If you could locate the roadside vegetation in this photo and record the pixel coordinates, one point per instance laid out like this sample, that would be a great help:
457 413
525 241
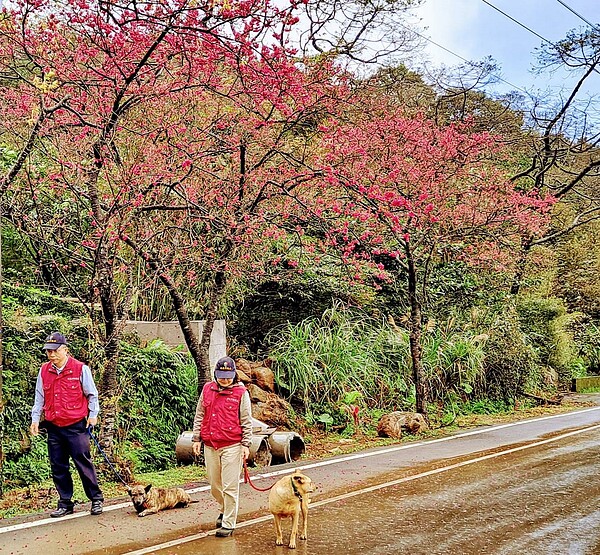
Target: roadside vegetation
389 238
323 366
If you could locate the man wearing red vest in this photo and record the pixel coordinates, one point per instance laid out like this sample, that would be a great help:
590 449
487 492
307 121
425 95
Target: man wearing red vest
66 394
223 422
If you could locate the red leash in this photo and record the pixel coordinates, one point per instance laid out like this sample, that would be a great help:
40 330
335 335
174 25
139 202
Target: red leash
248 481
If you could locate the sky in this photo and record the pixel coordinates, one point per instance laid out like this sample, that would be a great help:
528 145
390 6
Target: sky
474 30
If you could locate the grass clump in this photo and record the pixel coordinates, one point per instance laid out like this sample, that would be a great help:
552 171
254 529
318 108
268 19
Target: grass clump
320 360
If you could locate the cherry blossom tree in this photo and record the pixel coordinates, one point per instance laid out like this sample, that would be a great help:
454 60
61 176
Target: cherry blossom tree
106 88
408 192
173 133
244 155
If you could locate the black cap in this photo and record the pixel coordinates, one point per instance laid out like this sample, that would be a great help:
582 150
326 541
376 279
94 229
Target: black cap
225 368
54 341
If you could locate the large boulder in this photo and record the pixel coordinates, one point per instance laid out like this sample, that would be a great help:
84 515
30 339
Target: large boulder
274 411
264 378
243 365
257 395
243 377
394 423
258 373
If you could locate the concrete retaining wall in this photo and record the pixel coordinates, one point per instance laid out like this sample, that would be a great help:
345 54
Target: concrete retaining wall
589 382
170 332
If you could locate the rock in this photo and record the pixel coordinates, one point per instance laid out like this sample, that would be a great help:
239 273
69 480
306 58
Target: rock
394 423
257 395
243 365
256 372
274 411
264 378
243 377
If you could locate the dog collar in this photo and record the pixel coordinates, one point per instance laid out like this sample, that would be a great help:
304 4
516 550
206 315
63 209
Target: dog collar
296 492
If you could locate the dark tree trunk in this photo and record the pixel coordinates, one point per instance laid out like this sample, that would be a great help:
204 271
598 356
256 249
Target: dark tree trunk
199 349
416 327
114 321
109 401
199 357
520 267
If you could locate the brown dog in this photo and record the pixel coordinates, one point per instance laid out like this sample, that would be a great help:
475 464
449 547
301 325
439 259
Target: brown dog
148 500
289 497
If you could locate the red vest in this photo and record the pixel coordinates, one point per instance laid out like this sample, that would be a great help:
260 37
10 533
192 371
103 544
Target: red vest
221 425
64 401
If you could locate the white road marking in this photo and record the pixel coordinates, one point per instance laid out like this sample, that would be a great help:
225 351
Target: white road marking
180 541
337 460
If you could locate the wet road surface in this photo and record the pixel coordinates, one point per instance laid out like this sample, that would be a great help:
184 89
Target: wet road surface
544 500
528 487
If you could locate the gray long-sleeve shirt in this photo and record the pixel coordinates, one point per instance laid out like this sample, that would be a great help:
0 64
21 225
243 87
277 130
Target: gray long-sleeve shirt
87 384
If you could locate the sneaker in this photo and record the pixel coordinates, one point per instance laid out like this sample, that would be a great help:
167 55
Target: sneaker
61 511
96 508
219 522
224 532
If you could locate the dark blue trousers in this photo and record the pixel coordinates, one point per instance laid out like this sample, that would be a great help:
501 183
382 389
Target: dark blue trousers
72 442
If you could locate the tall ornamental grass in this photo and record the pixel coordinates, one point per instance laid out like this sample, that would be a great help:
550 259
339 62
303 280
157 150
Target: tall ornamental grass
453 362
320 360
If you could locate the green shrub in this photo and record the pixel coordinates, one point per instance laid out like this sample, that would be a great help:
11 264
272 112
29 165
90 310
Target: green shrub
32 466
38 301
548 328
588 341
511 363
157 402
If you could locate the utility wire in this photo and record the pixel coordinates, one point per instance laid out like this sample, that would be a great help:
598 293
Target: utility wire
592 25
529 29
461 57
513 20
517 22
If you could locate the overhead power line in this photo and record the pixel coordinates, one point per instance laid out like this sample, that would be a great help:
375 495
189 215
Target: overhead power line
592 25
517 22
529 29
514 20
461 57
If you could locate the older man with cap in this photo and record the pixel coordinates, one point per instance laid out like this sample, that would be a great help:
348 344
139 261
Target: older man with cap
223 422
66 394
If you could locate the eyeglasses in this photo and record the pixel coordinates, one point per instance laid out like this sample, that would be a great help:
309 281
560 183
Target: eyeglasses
49 351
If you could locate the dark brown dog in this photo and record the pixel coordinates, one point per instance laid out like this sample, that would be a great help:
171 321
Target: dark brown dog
290 497
149 500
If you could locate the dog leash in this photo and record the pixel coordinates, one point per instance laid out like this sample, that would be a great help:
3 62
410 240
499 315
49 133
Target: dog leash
89 430
248 481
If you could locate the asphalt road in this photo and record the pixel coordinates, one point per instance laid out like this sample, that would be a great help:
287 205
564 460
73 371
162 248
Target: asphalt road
524 487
